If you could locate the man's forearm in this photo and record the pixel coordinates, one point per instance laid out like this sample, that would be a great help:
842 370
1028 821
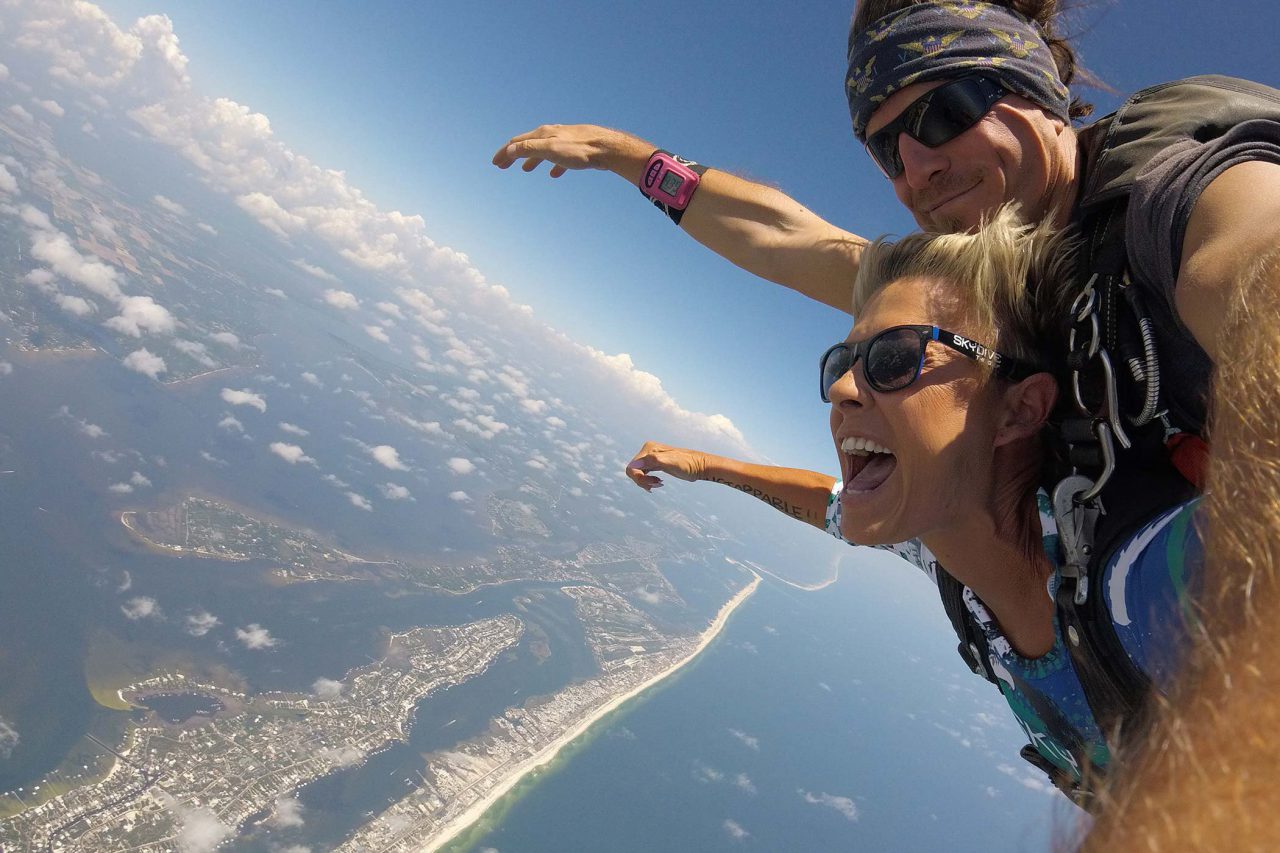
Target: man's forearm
797 493
1206 777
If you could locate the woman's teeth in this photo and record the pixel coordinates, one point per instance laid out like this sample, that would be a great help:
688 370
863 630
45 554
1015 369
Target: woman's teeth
862 447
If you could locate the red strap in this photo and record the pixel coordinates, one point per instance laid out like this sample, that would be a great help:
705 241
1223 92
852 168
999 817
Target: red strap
1190 456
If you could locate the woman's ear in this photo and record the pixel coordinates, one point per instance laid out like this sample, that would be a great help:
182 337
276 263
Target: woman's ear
1025 408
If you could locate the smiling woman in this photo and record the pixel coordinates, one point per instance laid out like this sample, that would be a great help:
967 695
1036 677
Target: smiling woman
938 412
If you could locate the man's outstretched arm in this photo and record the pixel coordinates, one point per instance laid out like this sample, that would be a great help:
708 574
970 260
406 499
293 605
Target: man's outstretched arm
763 231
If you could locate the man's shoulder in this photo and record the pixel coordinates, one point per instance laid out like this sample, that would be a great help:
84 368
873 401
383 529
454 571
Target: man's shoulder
1118 146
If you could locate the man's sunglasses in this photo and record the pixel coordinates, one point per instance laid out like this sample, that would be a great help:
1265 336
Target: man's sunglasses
892 359
937 116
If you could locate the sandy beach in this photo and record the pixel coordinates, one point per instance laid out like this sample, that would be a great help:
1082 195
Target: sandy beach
449 831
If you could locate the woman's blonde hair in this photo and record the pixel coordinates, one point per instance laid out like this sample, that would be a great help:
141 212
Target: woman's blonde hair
1011 280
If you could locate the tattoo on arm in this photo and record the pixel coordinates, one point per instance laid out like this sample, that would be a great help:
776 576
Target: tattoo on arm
774 501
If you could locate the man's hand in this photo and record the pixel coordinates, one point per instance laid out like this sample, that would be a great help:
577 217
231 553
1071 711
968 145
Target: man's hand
576 146
687 465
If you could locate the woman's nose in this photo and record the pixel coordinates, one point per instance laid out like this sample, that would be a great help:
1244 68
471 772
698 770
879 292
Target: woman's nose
848 390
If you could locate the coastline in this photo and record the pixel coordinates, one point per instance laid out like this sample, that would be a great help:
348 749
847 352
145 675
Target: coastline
447 833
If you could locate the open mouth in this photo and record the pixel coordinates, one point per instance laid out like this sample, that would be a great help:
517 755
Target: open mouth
867 465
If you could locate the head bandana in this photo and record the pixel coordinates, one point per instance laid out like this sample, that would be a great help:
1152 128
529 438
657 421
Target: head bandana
950 39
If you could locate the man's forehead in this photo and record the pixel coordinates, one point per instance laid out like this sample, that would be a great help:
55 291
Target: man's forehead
898 101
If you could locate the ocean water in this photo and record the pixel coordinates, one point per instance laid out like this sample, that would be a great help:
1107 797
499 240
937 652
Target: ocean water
840 719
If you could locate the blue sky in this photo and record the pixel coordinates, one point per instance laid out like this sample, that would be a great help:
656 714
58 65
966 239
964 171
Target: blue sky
411 100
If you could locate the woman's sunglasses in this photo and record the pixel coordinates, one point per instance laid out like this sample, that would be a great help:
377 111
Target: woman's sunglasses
892 359
937 116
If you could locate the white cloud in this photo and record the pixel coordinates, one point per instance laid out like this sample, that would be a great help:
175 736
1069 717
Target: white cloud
743 782
8 183
459 496
77 306
734 830
293 429
207 228
200 830
270 214
244 397
311 379
140 314
51 106
388 457
378 334
20 112
126 581
312 269
291 453
254 636
288 812
92 430
169 204
327 688
390 308
5 368
145 362
141 607
843 805
199 624
748 741
227 339
533 407
458 465
360 501
342 299
140 480
9 738
120 488
558 423
231 424
54 249
392 492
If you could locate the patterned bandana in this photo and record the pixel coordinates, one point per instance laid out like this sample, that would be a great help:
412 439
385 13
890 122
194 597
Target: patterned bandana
950 39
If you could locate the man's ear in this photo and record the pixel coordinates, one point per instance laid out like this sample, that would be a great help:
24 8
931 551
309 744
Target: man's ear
1025 408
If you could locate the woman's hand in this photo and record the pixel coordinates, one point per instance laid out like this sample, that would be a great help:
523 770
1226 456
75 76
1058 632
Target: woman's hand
688 465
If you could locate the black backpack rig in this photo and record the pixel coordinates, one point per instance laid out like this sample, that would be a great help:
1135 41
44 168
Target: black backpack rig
1121 460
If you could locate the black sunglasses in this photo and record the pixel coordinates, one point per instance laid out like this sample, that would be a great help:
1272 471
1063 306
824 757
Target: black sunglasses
892 359
937 116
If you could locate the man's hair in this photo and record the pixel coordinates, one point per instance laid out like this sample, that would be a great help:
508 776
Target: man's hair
1044 13
1013 277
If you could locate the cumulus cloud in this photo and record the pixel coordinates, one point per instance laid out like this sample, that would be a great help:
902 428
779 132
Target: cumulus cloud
291 453
458 465
141 607
734 830
140 480
360 501
51 106
293 429
749 741
145 362
9 738
254 636
231 424
120 488
201 623
91 430
311 379
22 113
200 830
312 269
270 214
288 812
327 688
139 315
342 299
76 306
460 496
743 782
390 308
388 457
169 204
54 249
843 805
244 397
227 339
8 183
392 492
378 334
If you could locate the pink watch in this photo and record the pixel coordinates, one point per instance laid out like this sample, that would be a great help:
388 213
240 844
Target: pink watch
670 181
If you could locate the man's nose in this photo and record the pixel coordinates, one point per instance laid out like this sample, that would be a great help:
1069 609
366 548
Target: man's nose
920 163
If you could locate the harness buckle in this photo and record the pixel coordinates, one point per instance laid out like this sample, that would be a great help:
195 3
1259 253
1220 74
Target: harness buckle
1077 518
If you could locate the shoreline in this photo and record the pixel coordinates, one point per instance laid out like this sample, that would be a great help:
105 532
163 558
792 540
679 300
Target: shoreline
803 587
447 833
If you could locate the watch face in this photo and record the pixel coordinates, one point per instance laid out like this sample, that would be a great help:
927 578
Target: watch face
671 183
